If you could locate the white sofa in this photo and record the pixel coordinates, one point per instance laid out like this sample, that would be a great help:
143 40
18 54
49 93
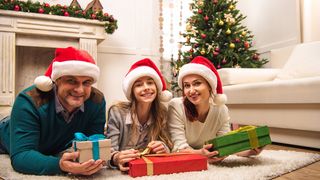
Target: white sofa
286 98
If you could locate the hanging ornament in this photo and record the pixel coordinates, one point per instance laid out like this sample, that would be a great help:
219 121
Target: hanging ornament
215 1
200 3
221 23
255 57
188 39
191 50
203 51
206 18
231 45
199 11
237 40
215 53
47 5
224 61
246 44
219 66
66 13
228 31
217 49
188 27
243 33
203 36
231 7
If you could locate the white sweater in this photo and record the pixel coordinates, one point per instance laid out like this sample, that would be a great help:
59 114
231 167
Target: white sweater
187 134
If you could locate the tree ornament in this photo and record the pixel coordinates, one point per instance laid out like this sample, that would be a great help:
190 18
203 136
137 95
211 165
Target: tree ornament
203 36
215 53
237 40
219 66
200 3
66 13
237 66
217 49
228 31
255 57
246 44
224 61
203 51
188 39
215 2
206 18
199 11
47 5
221 23
243 33
93 16
231 45
231 7
191 50
188 27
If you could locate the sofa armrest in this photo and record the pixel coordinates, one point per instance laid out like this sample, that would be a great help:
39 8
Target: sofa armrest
232 76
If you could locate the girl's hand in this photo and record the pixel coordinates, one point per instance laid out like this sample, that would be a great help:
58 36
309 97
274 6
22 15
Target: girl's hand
158 147
123 157
211 155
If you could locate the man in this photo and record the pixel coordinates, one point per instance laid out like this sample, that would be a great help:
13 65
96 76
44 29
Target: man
46 115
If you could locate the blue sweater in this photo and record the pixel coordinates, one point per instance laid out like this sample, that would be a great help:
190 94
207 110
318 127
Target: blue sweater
35 134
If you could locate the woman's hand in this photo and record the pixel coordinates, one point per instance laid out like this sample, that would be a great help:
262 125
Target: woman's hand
89 167
212 159
123 157
158 147
250 152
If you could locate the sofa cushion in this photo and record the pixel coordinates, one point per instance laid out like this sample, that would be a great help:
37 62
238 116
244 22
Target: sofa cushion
304 61
231 76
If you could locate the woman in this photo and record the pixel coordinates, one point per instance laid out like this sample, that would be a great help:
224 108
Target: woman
141 122
200 114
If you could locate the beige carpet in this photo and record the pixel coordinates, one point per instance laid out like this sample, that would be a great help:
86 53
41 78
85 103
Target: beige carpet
267 165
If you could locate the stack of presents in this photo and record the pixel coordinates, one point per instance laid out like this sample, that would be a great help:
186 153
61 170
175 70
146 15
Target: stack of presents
247 137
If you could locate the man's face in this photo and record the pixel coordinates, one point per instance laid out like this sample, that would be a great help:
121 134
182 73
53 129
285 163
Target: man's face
72 91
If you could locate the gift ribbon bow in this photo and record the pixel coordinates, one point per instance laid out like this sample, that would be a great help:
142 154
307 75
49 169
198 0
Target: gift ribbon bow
252 133
95 142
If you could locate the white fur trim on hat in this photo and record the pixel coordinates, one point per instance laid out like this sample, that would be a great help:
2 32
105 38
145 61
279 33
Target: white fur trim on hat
199 69
43 83
165 96
137 73
220 99
75 68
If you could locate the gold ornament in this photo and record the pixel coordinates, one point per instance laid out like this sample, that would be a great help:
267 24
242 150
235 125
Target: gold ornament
200 3
188 39
188 27
243 33
231 7
228 31
232 45
221 23
237 66
202 52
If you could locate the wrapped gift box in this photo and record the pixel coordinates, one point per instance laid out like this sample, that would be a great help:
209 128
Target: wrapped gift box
247 137
167 164
97 149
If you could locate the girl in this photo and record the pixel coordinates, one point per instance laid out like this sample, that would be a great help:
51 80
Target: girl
200 114
141 122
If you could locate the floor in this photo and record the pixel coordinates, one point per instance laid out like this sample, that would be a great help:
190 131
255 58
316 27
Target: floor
307 173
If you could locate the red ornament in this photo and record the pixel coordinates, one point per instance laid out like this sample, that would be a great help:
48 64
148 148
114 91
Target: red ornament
46 5
215 1
93 16
106 14
217 49
206 18
84 13
255 57
59 5
203 36
65 7
199 11
237 40
40 10
16 8
246 44
66 13
215 53
196 45
191 50
224 61
218 66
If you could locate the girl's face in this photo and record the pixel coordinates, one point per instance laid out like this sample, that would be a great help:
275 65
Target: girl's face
145 89
196 89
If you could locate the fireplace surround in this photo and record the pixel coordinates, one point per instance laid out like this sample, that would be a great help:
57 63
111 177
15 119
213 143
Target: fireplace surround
27 35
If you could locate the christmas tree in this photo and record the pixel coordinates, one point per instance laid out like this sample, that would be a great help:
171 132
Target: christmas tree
215 32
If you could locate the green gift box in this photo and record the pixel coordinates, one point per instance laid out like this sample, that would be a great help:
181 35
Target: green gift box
244 138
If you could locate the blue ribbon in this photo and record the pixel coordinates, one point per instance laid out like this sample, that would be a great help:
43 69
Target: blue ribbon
95 142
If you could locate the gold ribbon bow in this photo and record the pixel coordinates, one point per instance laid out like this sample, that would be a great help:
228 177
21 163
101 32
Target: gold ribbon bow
252 133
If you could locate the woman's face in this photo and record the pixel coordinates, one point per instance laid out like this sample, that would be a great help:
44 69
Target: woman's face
145 90
196 89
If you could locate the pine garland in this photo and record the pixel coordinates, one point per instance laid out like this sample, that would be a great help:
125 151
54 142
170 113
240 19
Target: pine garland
59 10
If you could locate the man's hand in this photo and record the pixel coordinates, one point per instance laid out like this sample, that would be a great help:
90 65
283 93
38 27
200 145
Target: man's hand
123 157
158 147
89 167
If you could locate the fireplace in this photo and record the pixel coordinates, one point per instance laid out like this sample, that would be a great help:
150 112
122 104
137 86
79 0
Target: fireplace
27 43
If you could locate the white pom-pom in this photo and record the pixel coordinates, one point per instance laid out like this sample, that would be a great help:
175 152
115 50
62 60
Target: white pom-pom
43 83
165 96
220 99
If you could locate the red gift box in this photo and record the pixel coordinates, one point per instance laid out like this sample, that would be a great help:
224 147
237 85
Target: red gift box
167 164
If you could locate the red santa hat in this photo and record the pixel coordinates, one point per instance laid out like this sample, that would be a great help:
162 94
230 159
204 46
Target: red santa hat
145 67
68 61
203 67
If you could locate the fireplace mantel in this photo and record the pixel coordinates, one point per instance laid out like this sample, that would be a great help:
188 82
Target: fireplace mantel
40 30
